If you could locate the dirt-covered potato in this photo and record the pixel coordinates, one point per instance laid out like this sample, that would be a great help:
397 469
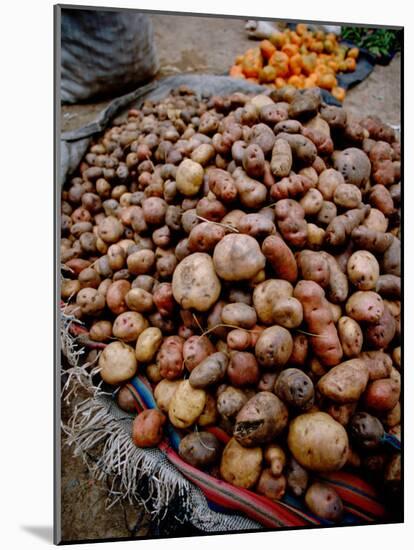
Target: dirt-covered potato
318 442
147 428
170 357
281 161
90 301
351 336
189 177
164 392
297 478
272 487
200 449
195 284
147 344
110 229
347 196
260 420
365 306
354 165
346 382
323 501
230 401
195 350
365 430
239 314
295 389
363 270
243 369
186 405
117 363
100 331
237 257
210 371
274 347
129 325
241 466
280 257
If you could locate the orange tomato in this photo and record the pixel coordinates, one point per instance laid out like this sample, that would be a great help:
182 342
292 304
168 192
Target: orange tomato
333 65
280 62
350 64
328 46
326 81
295 64
290 49
309 63
267 74
338 92
301 29
297 81
353 52
267 49
316 46
319 35
252 63
310 81
278 39
295 38
280 82
236 71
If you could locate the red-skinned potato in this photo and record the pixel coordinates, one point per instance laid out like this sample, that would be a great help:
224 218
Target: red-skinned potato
243 369
270 486
195 350
323 501
147 428
170 357
128 326
281 258
274 347
115 296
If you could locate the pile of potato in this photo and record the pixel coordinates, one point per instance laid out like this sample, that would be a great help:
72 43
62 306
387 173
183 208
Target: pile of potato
243 253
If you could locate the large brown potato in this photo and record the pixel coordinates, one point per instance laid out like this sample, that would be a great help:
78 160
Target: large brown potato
117 363
274 347
237 257
241 466
318 442
346 382
195 284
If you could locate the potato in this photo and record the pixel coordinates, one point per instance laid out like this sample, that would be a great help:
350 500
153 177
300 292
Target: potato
311 202
381 395
262 136
260 420
287 312
116 257
318 317
293 186
230 401
291 222
153 373
318 442
186 405
195 350
389 286
295 389
314 267
354 165
204 237
241 466
327 213
69 288
129 325
328 181
141 262
251 193
170 357
270 486
296 477
366 431
363 270
195 283
90 301
110 229
210 371
239 314
189 177
115 296
300 350
350 335
222 184
303 149
147 345
256 225
380 334
346 382
138 299
239 340
391 260
266 294
281 162
200 449
365 306
203 154
274 347
280 257
164 392
147 428
315 236
376 221
323 501
341 412
347 196
237 257
379 364
253 161
275 456
100 331
117 363
243 369
125 400
209 416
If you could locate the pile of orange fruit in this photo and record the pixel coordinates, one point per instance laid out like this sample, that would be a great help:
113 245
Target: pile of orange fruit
300 58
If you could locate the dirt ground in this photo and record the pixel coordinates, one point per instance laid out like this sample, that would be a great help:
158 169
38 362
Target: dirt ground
207 45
